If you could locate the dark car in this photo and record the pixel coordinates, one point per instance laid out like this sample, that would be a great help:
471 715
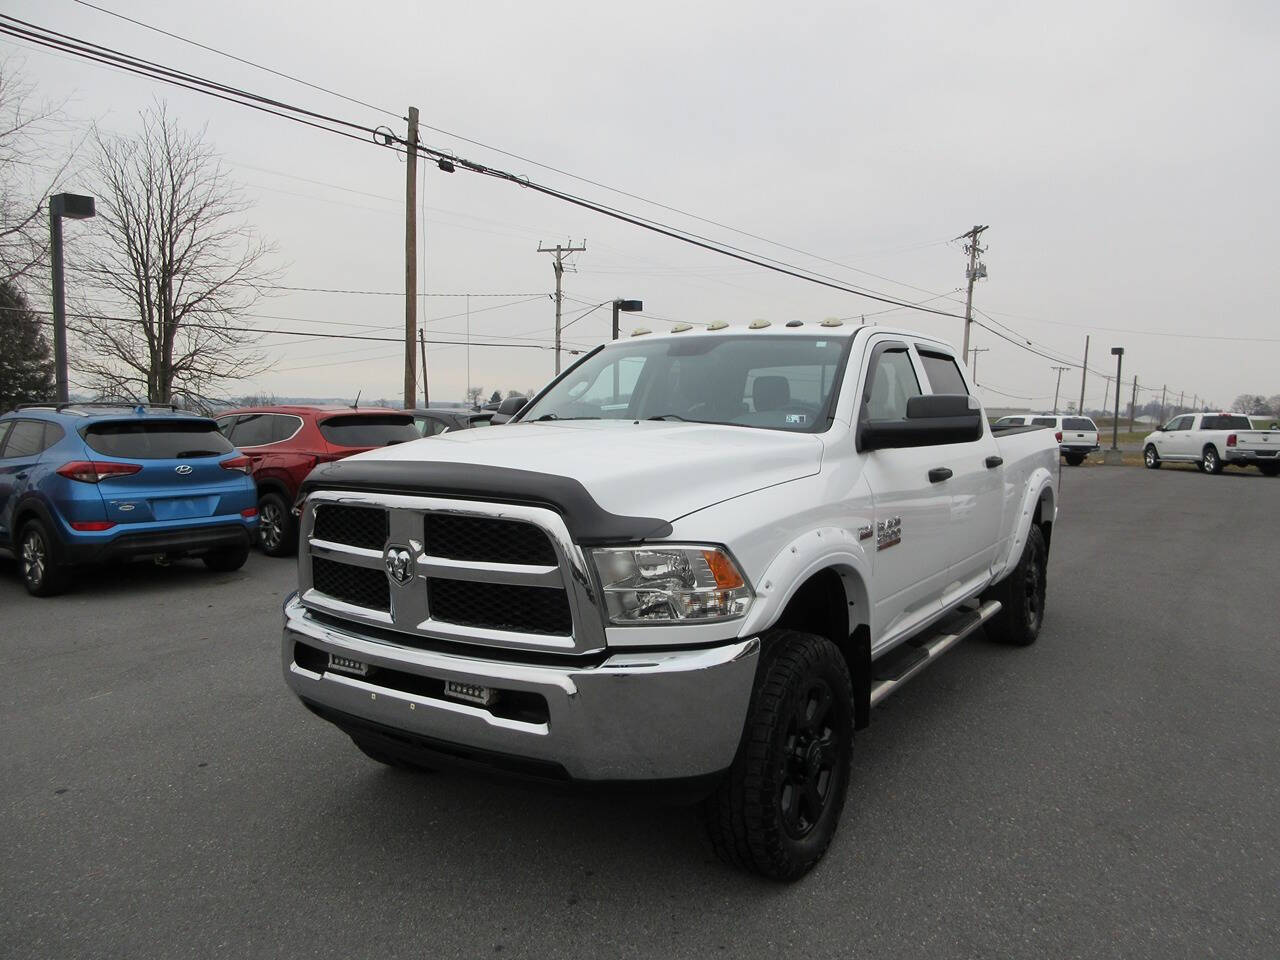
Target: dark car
100 483
433 420
284 443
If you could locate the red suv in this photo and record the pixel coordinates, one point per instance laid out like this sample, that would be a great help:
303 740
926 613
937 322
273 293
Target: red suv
284 443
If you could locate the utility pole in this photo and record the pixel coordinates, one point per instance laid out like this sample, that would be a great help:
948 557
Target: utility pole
1133 402
422 342
975 351
1195 402
1106 392
975 271
1056 386
558 266
1084 374
411 262
1181 395
1163 391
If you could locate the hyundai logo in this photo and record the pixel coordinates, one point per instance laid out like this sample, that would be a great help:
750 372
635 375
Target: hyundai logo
182 469
399 564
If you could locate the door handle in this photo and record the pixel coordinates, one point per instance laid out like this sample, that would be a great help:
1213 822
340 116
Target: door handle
993 462
938 474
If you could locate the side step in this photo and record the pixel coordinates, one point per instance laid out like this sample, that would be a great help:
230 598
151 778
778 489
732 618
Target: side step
921 651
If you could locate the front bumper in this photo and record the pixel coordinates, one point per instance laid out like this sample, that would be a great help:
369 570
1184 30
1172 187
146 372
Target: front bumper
669 715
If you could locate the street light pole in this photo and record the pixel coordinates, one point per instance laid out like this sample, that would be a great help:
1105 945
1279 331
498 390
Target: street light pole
74 207
1113 455
622 306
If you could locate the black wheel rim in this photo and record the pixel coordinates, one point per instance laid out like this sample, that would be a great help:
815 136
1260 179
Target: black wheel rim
35 558
1033 583
810 754
270 525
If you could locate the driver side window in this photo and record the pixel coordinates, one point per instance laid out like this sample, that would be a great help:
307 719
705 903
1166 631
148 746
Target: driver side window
892 382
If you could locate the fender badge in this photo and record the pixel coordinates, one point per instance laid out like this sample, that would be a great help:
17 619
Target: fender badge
864 532
888 533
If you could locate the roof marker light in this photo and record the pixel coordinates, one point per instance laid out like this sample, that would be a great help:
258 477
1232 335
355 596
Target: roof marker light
795 323
758 324
640 331
681 327
832 322
717 325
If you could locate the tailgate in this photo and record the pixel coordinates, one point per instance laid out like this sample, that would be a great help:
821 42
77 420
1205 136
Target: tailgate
1262 442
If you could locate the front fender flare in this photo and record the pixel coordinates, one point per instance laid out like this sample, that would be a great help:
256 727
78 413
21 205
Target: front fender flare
1040 486
797 561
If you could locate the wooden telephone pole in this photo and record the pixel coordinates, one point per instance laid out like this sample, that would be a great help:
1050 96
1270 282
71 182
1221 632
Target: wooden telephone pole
975 270
1057 387
1084 375
411 265
560 253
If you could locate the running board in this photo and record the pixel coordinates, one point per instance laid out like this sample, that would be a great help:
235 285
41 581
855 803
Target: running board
950 632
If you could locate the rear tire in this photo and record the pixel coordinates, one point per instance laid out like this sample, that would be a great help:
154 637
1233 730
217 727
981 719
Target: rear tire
42 575
1021 596
1075 459
1150 457
777 808
1210 462
1269 469
226 560
277 528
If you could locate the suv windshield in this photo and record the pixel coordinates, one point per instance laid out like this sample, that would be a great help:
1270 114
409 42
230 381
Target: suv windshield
779 383
157 439
369 430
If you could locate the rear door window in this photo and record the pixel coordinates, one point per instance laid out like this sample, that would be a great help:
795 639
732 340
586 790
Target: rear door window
369 430
254 430
26 439
5 425
944 376
157 439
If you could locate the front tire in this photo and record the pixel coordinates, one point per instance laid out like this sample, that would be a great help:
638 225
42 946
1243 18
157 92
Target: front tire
1150 457
1210 462
1021 596
277 529
41 573
777 808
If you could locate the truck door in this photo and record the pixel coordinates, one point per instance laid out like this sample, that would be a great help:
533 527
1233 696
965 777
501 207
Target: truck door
975 485
1176 440
908 541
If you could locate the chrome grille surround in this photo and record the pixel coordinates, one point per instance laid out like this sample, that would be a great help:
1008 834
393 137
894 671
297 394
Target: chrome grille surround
410 602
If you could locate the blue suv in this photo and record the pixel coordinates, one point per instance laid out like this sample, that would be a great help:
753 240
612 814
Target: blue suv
93 483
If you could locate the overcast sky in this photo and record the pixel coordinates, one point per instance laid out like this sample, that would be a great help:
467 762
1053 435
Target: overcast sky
1124 156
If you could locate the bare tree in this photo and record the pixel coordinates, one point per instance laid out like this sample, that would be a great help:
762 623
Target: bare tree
30 170
169 240
474 394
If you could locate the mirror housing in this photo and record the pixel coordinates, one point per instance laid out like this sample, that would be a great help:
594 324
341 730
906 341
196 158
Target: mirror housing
508 408
930 420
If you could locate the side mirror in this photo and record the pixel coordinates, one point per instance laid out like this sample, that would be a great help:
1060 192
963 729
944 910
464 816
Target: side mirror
508 408
930 420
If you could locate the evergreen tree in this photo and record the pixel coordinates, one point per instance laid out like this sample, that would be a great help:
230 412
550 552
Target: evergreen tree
26 361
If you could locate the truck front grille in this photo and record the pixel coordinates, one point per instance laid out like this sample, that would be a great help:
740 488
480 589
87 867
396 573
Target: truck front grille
487 539
503 575
358 586
500 606
356 526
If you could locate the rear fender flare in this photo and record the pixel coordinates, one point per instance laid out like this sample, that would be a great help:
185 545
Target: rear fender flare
1039 487
818 549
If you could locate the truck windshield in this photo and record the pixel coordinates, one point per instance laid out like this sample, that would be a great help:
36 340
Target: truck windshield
751 380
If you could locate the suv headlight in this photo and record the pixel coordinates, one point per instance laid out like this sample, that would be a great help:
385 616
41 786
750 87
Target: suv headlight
660 583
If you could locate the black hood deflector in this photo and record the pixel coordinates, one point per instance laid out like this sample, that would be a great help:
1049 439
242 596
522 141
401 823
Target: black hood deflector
588 522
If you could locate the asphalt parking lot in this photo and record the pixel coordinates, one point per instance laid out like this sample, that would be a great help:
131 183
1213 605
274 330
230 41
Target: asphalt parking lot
1112 791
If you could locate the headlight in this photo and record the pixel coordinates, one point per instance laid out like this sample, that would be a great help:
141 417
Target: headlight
659 583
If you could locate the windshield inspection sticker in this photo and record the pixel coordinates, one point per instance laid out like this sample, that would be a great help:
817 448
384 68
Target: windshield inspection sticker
796 418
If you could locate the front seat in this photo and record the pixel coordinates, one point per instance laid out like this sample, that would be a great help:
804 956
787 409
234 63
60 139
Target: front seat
770 393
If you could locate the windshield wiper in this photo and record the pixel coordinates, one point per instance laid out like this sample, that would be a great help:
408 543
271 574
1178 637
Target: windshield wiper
197 453
668 416
556 416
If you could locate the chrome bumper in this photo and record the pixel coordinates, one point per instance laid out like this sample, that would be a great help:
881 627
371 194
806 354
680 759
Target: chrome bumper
636 716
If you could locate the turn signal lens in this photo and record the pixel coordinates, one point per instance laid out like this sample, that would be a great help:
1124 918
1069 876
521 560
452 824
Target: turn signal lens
94 471
1058 436
722 568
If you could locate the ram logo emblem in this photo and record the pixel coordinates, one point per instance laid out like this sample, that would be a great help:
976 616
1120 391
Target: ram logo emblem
399 564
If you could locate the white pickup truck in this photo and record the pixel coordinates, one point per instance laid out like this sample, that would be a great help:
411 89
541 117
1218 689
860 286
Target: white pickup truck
1213 441
695 560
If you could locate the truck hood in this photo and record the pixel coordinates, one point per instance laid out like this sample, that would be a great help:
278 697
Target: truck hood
657 469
